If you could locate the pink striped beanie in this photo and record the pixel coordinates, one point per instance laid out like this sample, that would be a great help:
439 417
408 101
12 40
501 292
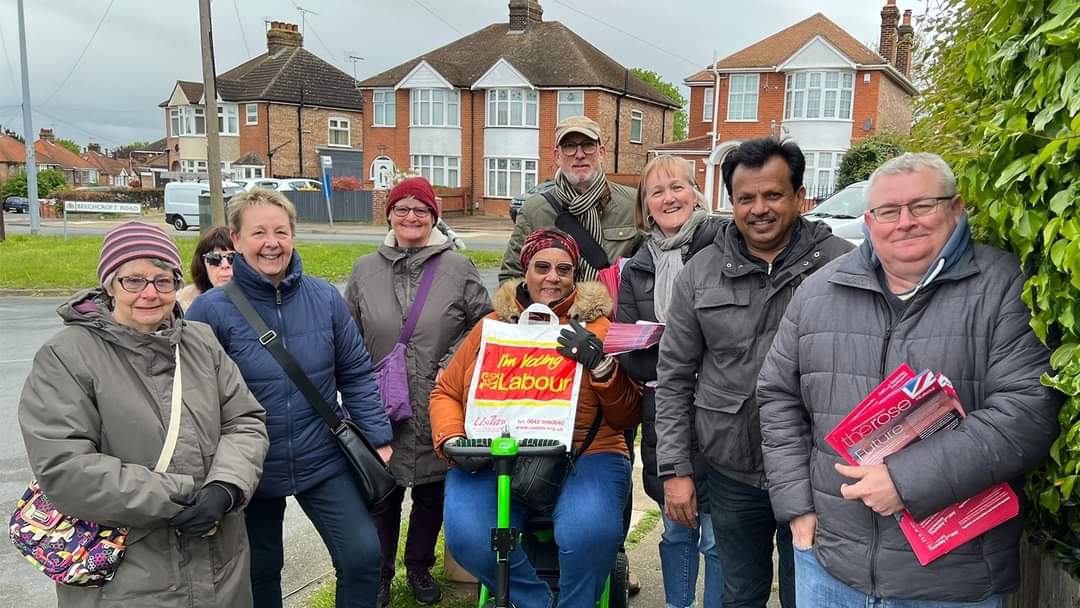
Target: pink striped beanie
135 240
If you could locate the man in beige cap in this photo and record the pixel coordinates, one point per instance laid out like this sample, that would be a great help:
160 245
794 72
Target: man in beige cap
599 214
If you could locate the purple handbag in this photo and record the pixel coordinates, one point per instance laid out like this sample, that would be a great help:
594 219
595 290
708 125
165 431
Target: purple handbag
392 372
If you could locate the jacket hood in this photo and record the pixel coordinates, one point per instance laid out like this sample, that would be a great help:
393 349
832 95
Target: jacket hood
437 243
89 309
253 281
588 302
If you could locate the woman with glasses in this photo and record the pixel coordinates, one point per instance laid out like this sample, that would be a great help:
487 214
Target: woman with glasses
304 461
211 265
671 210
94 415
588 513
381 294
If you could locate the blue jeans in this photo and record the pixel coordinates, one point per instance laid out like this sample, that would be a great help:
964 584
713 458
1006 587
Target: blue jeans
337 509
588 530
816 588
679 562
745 527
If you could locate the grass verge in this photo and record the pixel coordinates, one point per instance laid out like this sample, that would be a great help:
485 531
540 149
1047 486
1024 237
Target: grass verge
50 262
643 527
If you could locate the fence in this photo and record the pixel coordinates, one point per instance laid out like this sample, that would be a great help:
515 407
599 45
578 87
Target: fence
348 206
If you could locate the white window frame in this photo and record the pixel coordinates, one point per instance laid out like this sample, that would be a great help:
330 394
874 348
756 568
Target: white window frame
249 171
189 118
193 166
501 104
384 108
747 89
336 125
691 166
424 102
707 105
814 172
568 108
637 119
437 169
815 95
251 114
228 119
174 122
496 167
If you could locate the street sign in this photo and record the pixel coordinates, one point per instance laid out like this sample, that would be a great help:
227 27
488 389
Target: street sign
99 207
327 185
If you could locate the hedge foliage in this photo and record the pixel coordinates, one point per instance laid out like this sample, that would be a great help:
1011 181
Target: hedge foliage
1002 104
154 199
866 155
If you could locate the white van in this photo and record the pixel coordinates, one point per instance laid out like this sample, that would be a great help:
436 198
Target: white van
182 202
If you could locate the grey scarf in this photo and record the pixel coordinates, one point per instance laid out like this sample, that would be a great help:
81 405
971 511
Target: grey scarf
586 208
667 253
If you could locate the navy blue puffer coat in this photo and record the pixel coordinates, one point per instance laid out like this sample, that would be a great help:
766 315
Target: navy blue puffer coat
318 331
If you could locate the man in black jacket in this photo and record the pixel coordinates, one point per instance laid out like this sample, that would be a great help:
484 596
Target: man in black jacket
725 307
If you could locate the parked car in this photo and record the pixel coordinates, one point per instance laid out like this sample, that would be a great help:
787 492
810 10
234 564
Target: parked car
18 204
281 185
182 201
843 212
519 200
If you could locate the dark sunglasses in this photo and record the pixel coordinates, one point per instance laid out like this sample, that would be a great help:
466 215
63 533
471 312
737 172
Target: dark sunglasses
214 258
563 269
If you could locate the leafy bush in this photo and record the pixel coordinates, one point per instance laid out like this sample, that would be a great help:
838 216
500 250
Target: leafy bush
866 155
1003 107
50 181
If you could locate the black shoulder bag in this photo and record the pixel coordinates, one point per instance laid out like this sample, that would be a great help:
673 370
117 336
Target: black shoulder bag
538 480
370 471
593 253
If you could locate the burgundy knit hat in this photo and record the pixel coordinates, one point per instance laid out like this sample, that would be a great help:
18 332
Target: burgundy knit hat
416 187
135 240
547 238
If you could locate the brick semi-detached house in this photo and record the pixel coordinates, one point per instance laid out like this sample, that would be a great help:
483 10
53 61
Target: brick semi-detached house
479 113
813 83
277 114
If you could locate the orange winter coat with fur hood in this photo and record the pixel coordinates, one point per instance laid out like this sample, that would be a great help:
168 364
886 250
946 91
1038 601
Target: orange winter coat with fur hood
619 398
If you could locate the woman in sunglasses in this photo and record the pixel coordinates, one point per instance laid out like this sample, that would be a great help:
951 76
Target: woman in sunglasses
211 265
588 512
95 414
382 290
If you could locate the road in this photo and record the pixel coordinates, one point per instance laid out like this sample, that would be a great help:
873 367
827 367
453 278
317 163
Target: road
25 324
475 235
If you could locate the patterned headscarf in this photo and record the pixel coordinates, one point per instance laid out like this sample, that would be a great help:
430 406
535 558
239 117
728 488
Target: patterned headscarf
547 238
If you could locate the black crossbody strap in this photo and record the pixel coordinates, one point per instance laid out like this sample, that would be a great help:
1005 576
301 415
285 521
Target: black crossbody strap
272 341
593 253
593 430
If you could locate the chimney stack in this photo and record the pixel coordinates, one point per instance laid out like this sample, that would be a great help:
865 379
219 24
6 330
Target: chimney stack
283 35
903 45
46 134
890 17
523 14
92 147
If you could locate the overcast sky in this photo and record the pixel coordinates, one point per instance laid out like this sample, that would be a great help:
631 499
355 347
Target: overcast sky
142 47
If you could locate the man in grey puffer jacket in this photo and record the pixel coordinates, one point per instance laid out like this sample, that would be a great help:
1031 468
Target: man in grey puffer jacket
916 292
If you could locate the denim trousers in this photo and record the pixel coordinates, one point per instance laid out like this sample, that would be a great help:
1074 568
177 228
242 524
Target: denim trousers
679 563
336 508
816 588
425 520
588 530
745 528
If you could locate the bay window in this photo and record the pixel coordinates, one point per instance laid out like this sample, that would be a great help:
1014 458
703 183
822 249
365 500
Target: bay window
512 107
435 108
819 95
507 177
439 170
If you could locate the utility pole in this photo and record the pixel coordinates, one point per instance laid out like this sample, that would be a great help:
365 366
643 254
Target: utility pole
213 150
28 129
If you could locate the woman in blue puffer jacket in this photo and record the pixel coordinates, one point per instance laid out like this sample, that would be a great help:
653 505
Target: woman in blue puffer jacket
304 460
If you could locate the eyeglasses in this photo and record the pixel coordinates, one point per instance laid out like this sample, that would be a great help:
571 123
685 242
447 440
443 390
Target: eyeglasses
570 149
138 284
401 211
890 214
563 270
214 258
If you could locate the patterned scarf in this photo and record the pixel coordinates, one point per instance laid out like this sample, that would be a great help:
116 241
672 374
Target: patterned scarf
586 207
667 253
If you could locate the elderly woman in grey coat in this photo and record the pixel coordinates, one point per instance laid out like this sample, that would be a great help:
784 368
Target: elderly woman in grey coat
380 294
95 413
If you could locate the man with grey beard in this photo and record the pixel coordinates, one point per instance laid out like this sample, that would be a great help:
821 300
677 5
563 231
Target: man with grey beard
583 203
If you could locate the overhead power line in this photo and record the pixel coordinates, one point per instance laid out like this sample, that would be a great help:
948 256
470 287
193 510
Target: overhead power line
436 15
81 55
243 35
7 61
696 64
94 136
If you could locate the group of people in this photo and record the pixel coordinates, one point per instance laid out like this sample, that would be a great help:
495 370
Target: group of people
774 330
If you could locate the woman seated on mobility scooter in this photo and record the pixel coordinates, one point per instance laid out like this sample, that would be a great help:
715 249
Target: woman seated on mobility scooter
588 512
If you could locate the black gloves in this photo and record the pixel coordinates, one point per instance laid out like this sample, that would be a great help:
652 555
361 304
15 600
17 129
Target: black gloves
581 345
211 503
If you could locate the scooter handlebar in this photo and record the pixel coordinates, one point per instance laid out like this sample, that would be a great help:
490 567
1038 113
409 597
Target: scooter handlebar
482 447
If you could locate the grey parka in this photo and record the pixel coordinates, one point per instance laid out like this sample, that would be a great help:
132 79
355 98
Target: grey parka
380 293
93 415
